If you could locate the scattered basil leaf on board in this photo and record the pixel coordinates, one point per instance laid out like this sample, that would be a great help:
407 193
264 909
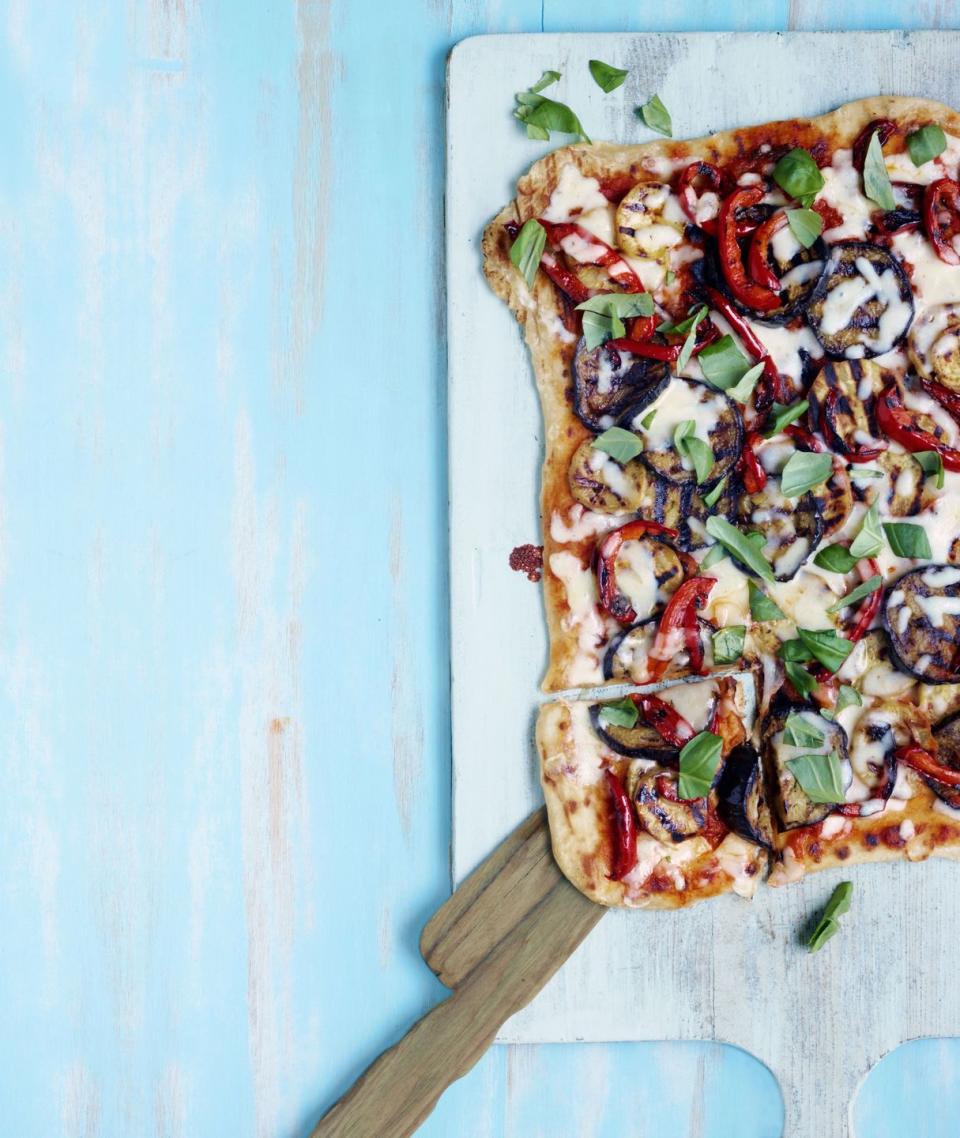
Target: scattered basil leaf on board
620 713
528 248
741 391
699 760
798 175
819 776
603 315
931 464
857 594
908 540
783 415
714 557
836 558
876 180
829 925
689 343
744 550
761 607
804 470
607 78
869 541
656 116
728 644
926 143
544 81
805 224
622 445
723 364
801 679
827 647
696 450
797 732
647 420
711 498
541 115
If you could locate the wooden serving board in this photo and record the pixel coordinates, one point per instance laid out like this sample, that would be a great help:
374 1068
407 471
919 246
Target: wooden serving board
727 970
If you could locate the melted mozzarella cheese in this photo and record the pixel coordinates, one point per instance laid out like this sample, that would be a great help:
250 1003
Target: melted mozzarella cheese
584 616
574 194
842 190
679 402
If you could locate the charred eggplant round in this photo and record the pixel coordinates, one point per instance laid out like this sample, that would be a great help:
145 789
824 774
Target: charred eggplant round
604 485
792 528
793 805
638 742
863 304
904 487
934 346
922 619
644 225
628 656
648 572
606 382
799 271
680 506
873 746
742 800
842 400
663 814
717 422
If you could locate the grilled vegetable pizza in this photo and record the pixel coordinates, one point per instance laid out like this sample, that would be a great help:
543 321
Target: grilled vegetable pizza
747 349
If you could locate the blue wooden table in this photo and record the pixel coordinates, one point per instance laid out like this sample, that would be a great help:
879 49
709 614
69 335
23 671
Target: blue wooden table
223 641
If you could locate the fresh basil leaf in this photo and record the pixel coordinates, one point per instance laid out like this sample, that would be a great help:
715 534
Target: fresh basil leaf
669 277
931 464
785 414
798 175
827 647
797 732
711 498
828 925
869 541
761 607
742 390
847 697
699 760
819 776
688 344
908 540
544 81
622 445
684 325
804 470
796 651
728 644
801 679
714 557
647 420
696 450
926 143
541 115
805 224
607 78
744 550
723 364
656 116
620 713
857 594
835 558
528 248
859 472
876 180
603 315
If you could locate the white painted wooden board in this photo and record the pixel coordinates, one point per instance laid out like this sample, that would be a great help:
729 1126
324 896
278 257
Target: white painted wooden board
727 970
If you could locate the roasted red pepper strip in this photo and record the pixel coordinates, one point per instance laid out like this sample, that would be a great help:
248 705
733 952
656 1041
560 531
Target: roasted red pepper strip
884 127
941 217
772 383
921 760
710 336
754 476
610 600
651 351
681 614
855 453
608 259
624 829
757 261
802 435
689 197
564 280
870 606
950 400
898 424
668 723
745 290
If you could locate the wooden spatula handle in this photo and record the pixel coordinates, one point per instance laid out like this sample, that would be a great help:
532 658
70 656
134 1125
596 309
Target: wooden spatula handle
397 1092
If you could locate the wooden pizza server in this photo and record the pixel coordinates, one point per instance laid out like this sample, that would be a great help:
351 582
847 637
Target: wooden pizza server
496 942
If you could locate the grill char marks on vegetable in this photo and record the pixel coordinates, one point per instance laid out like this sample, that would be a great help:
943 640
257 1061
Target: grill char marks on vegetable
842 401
793 528
742 801
638 742
604 485
873 746
677 505
798 274
947 737
863 304
606 382
631 649
794 808
664 815
922 619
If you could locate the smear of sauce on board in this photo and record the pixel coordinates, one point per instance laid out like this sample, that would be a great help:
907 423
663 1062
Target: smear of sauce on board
528 559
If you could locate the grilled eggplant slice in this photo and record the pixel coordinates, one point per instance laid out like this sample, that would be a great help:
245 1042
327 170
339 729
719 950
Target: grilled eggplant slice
905 484
793 806
742 800
681 506
648 572
638 742
873 746
863 304
649 221
792 529
842 400
922 619
606 382
606 486
799 271
663 814
627 657
934 345
716 421
947 736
